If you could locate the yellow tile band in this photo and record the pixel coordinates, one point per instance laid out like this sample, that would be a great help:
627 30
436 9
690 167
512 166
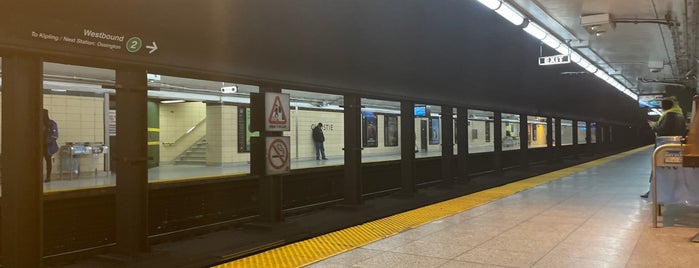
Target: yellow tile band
324 246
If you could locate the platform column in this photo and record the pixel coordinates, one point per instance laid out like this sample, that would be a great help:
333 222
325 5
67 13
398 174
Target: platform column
558 151
462 141
447 144
270 186
353 150
576 146
220 147
407 147
599 138
549 138
22 161
131 154
588 138
523 141
497 142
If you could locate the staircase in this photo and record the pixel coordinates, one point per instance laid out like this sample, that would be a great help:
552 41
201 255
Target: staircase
195 155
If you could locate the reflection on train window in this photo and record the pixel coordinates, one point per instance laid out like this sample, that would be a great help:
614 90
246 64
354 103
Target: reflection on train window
510 132
380 130
536 127
582 132
480 122
566 132
593 132
202 131
308 109
427 130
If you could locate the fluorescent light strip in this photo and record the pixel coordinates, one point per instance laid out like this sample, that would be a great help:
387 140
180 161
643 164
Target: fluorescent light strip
171 101
538 32
563 49
509 13
535 30
551 41
492 4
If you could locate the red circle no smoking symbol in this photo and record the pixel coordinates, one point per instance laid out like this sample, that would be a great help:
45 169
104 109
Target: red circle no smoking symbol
278 154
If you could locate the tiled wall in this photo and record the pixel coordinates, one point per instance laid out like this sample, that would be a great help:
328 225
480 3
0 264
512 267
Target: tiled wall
80 119
221 134
175 120
333 129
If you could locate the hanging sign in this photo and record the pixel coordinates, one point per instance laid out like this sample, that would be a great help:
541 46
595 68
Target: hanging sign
277 111
551 60
277 157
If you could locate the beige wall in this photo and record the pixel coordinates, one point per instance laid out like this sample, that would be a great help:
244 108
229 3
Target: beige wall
79 119
175 120
333 129
540 136
222 135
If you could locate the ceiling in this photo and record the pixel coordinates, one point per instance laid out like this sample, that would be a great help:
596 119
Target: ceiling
639 33
649 43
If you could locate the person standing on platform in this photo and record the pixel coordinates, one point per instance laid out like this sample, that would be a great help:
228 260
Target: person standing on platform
50 133
318 139
671 122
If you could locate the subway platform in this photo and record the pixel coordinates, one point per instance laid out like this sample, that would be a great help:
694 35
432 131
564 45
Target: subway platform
587 215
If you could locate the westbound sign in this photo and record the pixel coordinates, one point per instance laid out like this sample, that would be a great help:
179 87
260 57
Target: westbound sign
87 38
557 59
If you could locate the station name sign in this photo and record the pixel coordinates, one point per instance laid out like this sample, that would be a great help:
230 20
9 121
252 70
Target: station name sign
556 59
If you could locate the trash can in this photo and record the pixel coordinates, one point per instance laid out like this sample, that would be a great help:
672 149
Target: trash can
68 164
667 140
70 158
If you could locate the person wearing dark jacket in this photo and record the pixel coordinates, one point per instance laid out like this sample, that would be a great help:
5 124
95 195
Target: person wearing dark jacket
671 122
50 133
318 139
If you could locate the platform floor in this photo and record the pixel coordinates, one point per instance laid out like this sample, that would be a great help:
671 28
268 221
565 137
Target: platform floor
588 215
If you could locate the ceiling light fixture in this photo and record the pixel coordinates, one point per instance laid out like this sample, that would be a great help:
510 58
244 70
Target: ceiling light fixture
171 101
515 17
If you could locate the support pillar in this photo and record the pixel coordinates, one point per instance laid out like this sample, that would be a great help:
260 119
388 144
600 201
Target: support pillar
576 146
353 150
447 144
270 186
558 151
523 141
22 166
407 147
599 138
549 139
220 132
131 153
462 141
588 137
497 142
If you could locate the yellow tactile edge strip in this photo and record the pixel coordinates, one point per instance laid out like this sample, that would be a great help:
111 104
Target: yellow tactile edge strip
324 246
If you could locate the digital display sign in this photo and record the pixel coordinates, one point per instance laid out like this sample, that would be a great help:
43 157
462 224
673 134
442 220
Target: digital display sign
652 101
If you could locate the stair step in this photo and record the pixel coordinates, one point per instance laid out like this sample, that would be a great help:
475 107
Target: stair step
189 162
190 157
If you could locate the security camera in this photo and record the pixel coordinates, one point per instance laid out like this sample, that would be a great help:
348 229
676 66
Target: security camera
230 89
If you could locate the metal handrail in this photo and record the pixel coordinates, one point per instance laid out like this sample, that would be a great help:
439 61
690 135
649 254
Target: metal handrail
190 130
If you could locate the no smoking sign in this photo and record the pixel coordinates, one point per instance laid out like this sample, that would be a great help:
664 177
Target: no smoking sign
278 156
